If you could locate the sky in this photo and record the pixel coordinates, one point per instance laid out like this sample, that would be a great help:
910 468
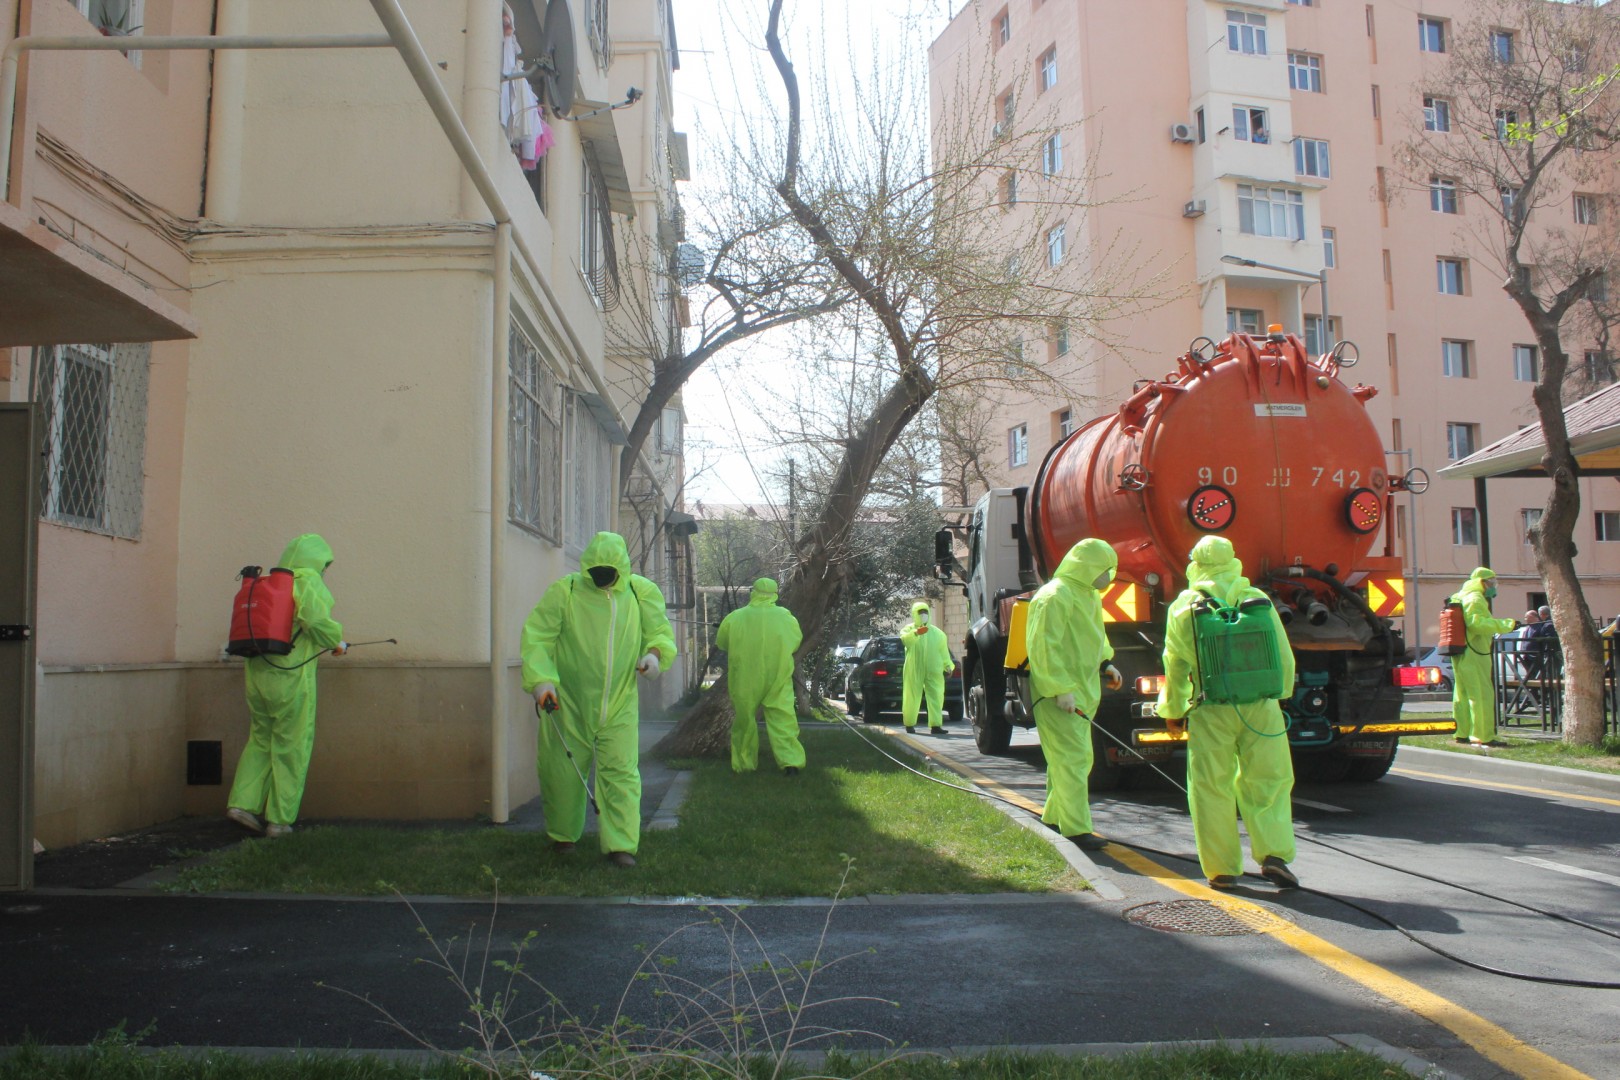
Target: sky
728 403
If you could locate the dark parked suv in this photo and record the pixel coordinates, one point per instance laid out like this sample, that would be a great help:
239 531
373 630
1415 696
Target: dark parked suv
874 683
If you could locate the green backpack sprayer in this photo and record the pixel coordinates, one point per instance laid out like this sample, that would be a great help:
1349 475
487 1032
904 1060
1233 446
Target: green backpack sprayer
1239 651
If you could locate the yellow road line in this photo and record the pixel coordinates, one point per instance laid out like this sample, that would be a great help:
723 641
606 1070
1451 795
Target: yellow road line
1494 1043
1507 787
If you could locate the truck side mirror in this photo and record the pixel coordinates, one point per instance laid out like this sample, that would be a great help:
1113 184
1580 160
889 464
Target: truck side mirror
944 554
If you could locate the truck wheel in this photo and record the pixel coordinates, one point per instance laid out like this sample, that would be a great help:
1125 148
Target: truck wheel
992 732
1367 770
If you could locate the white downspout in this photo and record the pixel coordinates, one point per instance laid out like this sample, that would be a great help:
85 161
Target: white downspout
225 119
499 792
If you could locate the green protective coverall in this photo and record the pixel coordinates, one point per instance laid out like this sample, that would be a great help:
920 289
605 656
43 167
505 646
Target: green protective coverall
1238 760
761 640
1473 698
586 641
1068 646
271 771
928 661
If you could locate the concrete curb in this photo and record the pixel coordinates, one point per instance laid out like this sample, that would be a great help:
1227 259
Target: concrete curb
667 816
1307 1044
1480 766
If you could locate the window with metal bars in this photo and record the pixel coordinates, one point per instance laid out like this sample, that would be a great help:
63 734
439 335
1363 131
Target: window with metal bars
591 483
534 442
94 404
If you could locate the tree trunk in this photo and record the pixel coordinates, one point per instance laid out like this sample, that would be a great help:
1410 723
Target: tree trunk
705 731
1555 549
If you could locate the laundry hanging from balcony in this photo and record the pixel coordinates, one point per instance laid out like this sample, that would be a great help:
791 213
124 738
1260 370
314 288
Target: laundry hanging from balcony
526 128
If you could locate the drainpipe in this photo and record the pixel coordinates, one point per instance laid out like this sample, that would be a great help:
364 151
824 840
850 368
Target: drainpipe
225 107
499 794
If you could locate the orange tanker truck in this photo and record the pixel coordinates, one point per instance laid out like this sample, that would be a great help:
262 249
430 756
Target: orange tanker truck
1255 440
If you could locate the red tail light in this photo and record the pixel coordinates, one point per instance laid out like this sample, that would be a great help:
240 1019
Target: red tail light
1416 676
880 671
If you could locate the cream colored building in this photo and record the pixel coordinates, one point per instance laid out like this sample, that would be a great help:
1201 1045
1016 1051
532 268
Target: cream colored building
1265 130
372 358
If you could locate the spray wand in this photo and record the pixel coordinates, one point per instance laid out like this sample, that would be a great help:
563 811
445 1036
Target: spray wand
551 707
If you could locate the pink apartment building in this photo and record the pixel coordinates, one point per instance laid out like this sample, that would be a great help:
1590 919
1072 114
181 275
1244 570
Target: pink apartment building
1266 130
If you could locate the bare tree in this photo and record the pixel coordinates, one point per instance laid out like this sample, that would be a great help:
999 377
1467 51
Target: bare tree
1530 128
939 300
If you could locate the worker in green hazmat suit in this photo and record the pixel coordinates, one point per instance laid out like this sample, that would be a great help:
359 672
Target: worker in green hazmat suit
1238 760
269 784
1068 660
761 640
928 661
1473 699
583 645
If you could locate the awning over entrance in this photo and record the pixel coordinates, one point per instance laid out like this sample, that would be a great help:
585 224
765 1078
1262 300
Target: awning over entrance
1593 424
53 292
1594 435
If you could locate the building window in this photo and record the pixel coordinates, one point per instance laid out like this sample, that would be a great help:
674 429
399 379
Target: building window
1052 154
1464 526
1305 72
1507 120
597 261
1595 363
590 484
1199 117
1436 114
1454 360
1249 124
1432 35
533 441
1054 245
1244 320
1276 212
1586 209
1461 440
1598 291
1048 66
1311 157
1018 446
115 18
1246 32
1302 3
1442 195
1449 276
1502 46
94 403
1529 518
1315 342
1510 196
670 425
1525 368
1608 525
1330 248
1060 340
1009 188
1064 422
1003 25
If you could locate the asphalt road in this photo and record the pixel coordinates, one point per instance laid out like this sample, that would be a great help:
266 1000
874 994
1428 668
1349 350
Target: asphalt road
1527 835
929 971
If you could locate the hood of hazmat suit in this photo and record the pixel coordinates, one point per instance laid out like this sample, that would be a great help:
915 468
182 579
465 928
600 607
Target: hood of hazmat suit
1064 632
1477 617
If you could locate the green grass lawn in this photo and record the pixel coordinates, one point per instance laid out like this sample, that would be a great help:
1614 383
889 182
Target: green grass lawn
1219 1063
1604 759
750 836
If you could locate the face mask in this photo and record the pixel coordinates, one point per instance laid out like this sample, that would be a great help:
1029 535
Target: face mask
1104 580
922 618
604 576
1490 593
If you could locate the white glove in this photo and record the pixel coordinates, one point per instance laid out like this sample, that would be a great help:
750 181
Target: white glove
1111 677
1065 702
546 692
340 648
647 666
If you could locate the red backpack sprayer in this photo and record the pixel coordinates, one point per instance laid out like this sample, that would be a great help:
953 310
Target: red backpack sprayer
262 618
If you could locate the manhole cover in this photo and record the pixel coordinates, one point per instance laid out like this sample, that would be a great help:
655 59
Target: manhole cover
1209 918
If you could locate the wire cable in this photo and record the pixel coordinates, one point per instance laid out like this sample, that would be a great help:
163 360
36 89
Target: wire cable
1554 980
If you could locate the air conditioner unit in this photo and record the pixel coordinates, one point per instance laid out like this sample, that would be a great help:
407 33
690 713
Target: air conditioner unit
1181 133
1193 208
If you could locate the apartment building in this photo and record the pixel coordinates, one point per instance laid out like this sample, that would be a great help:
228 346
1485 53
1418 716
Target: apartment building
317 325
1229 134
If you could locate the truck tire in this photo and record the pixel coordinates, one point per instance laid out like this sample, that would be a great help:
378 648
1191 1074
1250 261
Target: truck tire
992 732
1367 770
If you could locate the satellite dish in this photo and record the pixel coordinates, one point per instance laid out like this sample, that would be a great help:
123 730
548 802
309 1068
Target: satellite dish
555 81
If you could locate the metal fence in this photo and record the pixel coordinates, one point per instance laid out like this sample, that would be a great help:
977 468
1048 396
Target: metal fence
1528 676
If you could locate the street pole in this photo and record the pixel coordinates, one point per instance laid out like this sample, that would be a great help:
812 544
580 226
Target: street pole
1411 559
